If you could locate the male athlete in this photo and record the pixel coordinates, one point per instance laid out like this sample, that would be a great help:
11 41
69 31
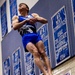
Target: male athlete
32 42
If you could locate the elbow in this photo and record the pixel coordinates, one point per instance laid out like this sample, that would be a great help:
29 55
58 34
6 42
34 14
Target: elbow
44 22
14 27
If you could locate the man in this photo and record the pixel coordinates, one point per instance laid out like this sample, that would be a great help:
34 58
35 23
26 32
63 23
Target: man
32 42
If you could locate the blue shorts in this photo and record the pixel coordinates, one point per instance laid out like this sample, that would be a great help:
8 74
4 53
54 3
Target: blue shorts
30 37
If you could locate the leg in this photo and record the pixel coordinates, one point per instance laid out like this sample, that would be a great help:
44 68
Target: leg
32 48
41 49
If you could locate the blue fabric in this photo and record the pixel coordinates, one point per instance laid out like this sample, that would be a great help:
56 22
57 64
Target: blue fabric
27 27
30 37
21 18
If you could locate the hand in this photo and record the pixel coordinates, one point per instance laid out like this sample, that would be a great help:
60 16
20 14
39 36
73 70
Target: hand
32 20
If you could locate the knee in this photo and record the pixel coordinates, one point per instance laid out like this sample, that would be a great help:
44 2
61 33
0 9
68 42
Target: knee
36 54
42 53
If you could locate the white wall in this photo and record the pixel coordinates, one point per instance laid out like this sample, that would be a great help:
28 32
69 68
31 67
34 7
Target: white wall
28 2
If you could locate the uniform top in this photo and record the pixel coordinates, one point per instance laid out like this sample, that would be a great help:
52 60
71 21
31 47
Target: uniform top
27 27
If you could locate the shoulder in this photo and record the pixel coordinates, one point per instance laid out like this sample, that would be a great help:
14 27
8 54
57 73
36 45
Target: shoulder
34 14
14 17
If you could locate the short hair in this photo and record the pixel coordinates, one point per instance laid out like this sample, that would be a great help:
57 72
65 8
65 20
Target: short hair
26 6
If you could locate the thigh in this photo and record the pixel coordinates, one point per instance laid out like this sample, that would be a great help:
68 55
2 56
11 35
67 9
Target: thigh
40 46
31 47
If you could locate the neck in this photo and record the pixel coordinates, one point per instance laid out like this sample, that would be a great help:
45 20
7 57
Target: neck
24 14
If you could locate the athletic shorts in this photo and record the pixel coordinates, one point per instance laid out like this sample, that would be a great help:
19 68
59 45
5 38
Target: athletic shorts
30 37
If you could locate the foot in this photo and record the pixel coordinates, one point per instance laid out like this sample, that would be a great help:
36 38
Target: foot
41 74
50 73
47 73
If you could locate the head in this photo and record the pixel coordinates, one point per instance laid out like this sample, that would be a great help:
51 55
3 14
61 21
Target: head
23 7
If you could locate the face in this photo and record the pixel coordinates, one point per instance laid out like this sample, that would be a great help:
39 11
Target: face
22 8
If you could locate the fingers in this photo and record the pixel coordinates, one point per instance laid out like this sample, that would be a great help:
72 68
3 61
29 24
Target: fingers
32 20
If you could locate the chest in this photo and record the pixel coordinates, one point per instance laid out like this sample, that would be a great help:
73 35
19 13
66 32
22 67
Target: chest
21 18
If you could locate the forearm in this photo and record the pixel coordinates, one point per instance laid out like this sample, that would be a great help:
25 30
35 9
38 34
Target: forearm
18 24
42 20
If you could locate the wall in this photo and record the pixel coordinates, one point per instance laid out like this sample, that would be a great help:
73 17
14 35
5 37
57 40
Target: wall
0 42
47 10
0 50
9 22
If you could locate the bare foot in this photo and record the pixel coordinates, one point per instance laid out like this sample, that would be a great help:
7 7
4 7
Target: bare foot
47 74
50 73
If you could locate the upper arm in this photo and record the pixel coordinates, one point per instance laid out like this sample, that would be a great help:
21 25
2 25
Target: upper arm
35 15
14 20
39 18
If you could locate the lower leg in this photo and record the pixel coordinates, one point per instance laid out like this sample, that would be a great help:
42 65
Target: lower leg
48 66
38 62
47 63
